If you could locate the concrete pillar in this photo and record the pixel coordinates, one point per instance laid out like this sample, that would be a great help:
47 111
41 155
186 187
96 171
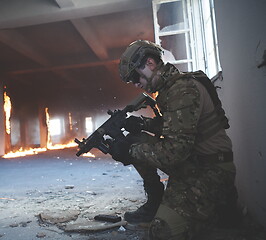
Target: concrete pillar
43 127
6 138
81 121
23 131
67 131
8 147
2 122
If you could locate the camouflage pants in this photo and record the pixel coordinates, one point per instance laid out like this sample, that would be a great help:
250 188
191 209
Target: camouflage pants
148 173
195 198
197 194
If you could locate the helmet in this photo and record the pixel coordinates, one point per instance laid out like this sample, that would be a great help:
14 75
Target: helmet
133 56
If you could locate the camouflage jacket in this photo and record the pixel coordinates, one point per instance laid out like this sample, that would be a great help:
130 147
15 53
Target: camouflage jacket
179 102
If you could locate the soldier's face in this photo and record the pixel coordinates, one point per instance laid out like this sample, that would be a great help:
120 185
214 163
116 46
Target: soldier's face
146 75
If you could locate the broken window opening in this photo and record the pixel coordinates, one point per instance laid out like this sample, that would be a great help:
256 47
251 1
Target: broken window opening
88 125
186 30
55 127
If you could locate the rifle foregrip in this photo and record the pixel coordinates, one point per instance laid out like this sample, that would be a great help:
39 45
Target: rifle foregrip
79 153
83 147
77 141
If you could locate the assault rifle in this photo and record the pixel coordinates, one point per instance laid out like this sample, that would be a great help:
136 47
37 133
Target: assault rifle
113 126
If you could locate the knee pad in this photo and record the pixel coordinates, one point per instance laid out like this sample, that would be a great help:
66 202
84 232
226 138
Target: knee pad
168 225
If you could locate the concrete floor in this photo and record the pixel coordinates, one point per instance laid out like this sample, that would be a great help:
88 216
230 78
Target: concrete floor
34 184
59 182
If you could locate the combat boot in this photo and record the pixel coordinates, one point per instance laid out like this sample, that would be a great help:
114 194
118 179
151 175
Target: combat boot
146 212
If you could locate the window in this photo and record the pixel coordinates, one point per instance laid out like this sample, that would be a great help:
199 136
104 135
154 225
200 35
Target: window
211 54
88 125
186 31
55 127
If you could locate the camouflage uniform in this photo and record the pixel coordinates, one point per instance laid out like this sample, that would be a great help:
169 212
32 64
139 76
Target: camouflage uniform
199 184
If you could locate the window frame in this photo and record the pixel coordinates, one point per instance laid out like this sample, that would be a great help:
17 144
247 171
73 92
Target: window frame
196 17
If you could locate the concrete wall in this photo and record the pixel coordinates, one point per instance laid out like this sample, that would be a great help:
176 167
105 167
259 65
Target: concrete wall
241 26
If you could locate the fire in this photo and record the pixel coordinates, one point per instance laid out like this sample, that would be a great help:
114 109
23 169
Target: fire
61 146
49 146
48 143
33 151
22 153
88 154
70 122
7 109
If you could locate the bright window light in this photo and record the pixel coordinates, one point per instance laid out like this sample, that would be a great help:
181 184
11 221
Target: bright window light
55 127
88 125
187 30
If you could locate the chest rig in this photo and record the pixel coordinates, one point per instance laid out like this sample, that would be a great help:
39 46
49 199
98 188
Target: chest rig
216 120
209 124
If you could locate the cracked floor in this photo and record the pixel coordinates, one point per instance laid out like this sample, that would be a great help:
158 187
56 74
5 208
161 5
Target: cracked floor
58 181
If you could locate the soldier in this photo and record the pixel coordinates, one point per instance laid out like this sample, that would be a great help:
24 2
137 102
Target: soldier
190 145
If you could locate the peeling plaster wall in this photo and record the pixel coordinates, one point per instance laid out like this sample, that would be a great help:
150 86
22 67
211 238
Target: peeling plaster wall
242 41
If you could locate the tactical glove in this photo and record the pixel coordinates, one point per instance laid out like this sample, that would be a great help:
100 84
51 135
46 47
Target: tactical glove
153 125
134 124
119 150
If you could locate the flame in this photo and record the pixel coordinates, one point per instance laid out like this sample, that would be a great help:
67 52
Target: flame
22 153
61 146
7 109
49 146
49 142
33 151
70 121
88 154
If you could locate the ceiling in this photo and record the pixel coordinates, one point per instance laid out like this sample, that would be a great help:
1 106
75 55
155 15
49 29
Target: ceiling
64 54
